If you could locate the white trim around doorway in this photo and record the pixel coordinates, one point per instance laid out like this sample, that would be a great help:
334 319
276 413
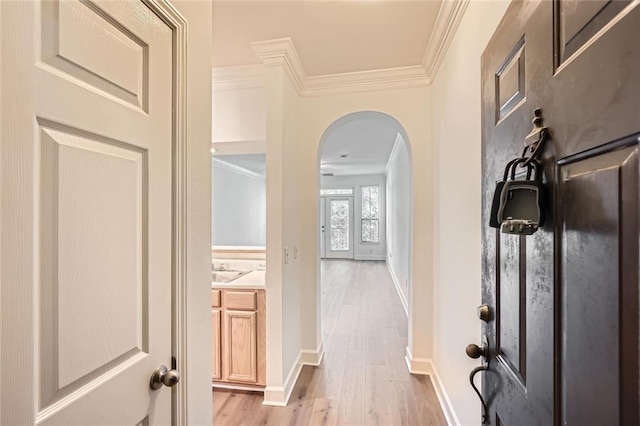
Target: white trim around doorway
168 13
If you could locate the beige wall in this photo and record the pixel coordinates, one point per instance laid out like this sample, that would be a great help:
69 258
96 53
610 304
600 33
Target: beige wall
457 253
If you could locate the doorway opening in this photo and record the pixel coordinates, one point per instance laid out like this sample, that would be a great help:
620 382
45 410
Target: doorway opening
365 239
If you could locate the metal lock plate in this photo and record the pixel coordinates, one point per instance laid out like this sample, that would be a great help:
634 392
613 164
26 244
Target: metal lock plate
519 227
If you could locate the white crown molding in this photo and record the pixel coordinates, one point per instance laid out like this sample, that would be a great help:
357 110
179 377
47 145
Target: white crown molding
449 17
384 79
238 169
239 147
240 77
282 53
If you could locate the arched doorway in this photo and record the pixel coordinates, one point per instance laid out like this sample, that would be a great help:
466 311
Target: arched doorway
365 235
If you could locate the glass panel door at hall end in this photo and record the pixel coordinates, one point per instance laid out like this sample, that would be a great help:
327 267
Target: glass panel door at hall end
339 236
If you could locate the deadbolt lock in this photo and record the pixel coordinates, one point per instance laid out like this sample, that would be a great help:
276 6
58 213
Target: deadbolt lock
484 313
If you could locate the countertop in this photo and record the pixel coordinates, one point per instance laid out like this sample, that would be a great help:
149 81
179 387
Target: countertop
252 280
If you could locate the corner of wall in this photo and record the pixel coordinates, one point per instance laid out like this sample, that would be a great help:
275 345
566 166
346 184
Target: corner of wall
279 396
426 367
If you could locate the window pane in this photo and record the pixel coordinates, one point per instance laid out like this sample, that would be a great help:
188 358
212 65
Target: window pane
339 225
370 200
336 191
374 202
370 230
366 202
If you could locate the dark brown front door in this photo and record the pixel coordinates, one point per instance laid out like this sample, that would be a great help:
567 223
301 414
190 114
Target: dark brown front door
563 334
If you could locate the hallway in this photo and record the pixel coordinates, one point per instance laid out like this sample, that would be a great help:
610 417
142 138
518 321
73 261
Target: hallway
363 378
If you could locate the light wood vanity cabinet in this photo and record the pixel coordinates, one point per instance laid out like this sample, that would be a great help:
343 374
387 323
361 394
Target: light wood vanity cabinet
216 327
239 337
239 349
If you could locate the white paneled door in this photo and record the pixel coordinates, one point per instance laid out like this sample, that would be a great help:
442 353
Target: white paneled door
86 216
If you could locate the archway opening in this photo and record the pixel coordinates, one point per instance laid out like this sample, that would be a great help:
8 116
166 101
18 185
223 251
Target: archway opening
365 238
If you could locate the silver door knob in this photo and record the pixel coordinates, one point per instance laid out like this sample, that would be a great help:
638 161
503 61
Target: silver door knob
163 376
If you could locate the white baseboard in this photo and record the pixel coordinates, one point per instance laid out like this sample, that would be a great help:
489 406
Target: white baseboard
312 357
420 366
279 395
443 398
234 386
370 257
425 366
403 300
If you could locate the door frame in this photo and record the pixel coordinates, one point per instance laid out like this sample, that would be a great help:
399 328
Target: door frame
168 13
323 227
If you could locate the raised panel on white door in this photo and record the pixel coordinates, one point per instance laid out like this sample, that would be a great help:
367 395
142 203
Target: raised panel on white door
71 34
93 257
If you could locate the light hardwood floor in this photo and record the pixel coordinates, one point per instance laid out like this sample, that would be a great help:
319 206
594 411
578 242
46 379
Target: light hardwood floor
363 378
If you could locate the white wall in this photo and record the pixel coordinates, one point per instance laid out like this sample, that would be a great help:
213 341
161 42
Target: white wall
457 147
291 282
284 313
239 206
362 251
399 217
239 115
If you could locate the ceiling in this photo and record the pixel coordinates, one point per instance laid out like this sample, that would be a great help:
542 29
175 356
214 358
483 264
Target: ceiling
367 138
256 163
331 37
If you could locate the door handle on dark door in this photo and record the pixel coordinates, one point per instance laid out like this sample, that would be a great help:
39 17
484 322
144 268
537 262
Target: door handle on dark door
474 351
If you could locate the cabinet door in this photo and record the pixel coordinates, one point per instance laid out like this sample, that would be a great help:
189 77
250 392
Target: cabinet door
240 346
216 318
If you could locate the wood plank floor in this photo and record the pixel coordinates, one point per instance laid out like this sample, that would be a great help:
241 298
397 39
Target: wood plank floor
363 378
